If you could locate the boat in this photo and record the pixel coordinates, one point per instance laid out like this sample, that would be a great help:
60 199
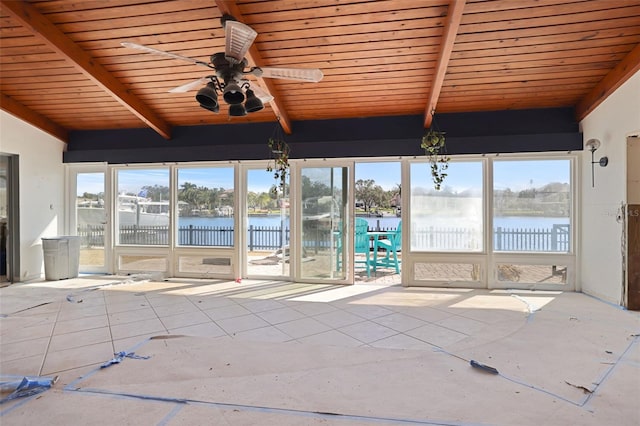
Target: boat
132 210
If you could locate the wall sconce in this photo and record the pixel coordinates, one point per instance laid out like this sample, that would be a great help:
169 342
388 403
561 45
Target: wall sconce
592 145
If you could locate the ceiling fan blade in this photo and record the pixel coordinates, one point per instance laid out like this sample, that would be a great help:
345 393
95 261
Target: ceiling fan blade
301 74
189 86
238 40
163 53
261 93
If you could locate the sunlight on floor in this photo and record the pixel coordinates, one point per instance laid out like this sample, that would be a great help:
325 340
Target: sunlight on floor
337 293
491 302
407 297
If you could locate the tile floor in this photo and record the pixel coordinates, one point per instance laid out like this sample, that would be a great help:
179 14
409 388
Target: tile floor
574 357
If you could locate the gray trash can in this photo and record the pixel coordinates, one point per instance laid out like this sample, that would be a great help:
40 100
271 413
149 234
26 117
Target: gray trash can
61 257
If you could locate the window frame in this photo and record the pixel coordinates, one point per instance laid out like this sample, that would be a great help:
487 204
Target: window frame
460 159
488 258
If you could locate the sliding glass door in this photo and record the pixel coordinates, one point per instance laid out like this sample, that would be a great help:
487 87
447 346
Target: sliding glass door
324 251
267 225
91 220
204 232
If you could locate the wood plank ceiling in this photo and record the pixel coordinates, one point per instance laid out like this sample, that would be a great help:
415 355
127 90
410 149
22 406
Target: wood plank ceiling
62 66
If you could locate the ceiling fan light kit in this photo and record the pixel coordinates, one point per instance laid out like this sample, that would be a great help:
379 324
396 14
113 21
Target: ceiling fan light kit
253 103
237 110
231 72
233 93
208 97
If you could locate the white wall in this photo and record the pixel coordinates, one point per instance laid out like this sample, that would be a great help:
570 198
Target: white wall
42 186
601 253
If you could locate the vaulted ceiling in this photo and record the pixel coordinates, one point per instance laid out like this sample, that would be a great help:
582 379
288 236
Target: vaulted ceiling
63 68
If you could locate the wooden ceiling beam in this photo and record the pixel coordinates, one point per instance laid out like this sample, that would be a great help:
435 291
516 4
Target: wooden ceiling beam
28 16
255 58
454 17
10 105
622 72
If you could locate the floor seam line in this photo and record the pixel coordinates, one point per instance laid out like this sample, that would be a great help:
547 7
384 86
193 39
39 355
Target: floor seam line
610 370
202 311
106 308
306 413
46 351
156 314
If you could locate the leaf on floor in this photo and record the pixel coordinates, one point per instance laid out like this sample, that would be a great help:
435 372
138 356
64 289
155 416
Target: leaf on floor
584 389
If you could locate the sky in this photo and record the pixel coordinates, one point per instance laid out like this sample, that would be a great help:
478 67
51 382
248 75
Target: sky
387 175
514 174
519 175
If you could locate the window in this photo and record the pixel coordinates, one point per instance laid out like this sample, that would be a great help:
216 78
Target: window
548 274
143 263
449 219
448 272
532 206
143 207
91 218
204 265
206 206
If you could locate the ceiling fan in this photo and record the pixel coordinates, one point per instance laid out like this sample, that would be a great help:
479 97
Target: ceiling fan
231 71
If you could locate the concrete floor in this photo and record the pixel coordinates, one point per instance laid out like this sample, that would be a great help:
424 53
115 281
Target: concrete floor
278 353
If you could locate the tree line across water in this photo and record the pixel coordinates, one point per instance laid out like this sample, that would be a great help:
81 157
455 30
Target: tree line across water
552 199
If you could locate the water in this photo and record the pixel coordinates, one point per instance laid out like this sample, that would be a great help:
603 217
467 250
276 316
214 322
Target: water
520 222
387 222
225 222
517 232
274 221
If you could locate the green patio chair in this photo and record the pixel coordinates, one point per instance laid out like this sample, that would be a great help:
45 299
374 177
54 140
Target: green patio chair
362 243
392 246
